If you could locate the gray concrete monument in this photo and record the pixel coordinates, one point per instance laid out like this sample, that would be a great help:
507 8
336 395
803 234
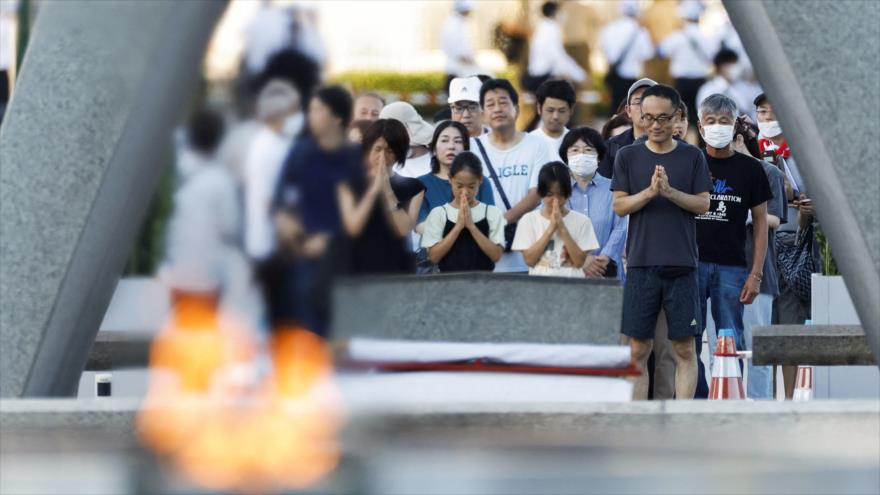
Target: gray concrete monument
82 148
818 62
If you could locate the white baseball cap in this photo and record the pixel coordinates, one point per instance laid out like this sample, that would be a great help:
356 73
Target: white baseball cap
420 132
465 89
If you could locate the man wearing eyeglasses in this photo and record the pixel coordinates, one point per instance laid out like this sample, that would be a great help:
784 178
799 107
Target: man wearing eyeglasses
634 112
464 103
662 184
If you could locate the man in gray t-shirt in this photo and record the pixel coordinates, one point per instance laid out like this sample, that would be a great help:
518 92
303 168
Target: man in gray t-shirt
662 184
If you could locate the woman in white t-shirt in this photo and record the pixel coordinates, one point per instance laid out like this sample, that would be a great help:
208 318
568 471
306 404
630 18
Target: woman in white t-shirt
554 240
464 234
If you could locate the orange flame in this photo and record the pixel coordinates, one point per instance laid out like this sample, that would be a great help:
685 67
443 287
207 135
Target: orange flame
225 430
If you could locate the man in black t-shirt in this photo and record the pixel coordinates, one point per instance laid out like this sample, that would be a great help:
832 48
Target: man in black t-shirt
739 187
661 184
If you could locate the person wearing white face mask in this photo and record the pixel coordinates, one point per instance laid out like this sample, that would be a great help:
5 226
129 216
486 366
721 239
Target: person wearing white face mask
740 187
582 149
278 110
728 72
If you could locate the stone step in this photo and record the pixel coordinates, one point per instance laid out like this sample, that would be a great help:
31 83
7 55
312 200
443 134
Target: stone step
819 345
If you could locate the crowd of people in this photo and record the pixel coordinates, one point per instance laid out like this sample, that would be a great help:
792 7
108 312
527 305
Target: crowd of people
335 184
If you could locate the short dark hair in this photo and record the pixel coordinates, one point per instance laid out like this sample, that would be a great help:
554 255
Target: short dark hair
556 88
442 126
586 134
483 77
549 9
498 83
618 120
338 100
725 56
683 109
205 130
663 91
445 113
554 172
394 133
466 160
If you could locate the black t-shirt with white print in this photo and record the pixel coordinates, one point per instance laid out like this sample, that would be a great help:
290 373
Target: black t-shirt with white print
738 184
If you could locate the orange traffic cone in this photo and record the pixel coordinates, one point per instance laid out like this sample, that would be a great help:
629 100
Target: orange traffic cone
727 383
803 384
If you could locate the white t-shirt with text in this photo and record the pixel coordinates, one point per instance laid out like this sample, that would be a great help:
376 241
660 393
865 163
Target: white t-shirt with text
517 169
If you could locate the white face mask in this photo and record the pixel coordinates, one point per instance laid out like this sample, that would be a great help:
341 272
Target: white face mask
583 165
770 129
718 136
293 124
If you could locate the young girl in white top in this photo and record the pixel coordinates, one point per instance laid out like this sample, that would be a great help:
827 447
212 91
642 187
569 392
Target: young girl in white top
554 240
464 234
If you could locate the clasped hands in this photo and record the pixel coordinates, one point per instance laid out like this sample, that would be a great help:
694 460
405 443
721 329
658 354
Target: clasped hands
660 183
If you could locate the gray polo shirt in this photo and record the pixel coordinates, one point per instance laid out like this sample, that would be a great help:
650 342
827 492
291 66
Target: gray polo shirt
661 233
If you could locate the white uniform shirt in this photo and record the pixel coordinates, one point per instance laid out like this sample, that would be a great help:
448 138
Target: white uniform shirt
8 9
204 226
414 167
613 40
719 85
517 169
547 54
262 166
455 44
684 60
268 32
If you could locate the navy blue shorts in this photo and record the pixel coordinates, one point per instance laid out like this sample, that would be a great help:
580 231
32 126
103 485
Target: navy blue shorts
648 289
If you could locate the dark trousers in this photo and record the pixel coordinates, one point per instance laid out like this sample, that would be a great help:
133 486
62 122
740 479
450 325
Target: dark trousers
619 88
688 87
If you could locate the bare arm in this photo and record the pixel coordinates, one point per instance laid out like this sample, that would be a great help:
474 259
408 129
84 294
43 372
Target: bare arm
773 221
401 220
532 255
626 204
527 204
575 253
354 214
752 287
693 203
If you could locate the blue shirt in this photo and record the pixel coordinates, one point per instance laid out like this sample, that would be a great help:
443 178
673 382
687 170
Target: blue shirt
597 202
308 182
438 192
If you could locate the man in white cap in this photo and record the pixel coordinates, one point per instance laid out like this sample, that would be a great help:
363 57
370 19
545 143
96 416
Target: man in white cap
455 43
464 104
626 45
690 54
638 131
418 162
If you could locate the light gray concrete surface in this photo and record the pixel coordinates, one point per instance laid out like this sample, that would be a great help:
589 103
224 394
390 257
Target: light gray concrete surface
817 61
828 345
82 145
479 307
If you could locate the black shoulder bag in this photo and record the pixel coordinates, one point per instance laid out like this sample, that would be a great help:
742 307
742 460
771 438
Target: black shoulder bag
510 228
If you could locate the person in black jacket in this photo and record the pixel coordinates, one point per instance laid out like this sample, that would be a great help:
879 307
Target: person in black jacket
633 110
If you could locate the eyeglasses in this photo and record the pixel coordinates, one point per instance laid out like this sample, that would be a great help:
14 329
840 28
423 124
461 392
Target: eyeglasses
661 119
471 108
